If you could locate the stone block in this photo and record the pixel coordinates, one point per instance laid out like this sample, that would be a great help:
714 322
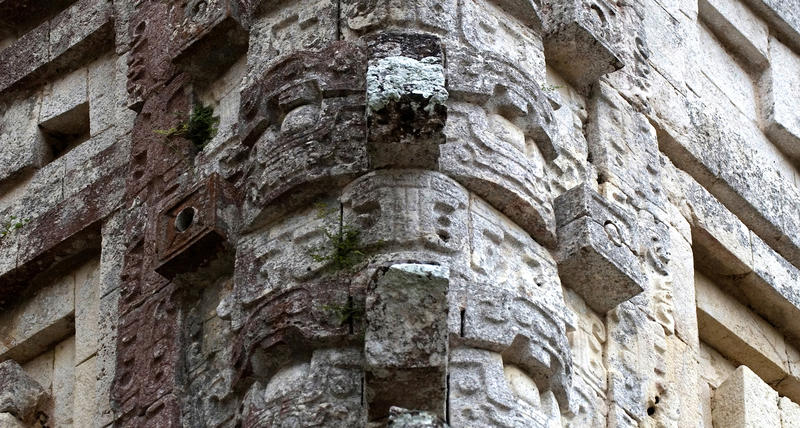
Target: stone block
790 413
721 242
778 107
87 311
21 148
406 98
41 369
404 418
59 44
405 343
85 394
211 37
85 26
20 395
745 401
24 56
580 39
681 268
102 93
35 324
624 148
64 382
715 368
62 95
106 355
741 28
738 333
596 240
193 227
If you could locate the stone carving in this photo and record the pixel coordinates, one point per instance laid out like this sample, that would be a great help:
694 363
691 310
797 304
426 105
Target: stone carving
503 174
290 320
584 31
587 343
305 117
414 212
513 305
484 393
193 229
411 214
596 236
323 392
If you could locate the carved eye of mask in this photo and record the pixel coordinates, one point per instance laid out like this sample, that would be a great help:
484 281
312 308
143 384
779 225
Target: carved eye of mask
613 233
300 118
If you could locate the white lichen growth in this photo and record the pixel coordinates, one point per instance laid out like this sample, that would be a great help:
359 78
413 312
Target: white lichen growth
390 78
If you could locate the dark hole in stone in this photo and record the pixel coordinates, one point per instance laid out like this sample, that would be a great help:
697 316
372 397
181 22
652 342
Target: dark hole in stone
444 236
463 315
657 399
65 131
184 219
651 410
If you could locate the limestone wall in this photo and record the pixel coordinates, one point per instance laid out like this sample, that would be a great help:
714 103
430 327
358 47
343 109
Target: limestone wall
427 213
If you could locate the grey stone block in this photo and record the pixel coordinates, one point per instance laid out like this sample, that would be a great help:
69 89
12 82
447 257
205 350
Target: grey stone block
405 344
596 251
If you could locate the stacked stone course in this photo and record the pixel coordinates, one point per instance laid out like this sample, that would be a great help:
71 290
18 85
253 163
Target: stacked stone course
427 213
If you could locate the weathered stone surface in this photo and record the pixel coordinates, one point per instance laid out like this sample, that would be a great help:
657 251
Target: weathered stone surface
404 418
586 32
20 396
326 391
744 400
492 157
405 343
485 392
596 239
605 244
308 129
406 98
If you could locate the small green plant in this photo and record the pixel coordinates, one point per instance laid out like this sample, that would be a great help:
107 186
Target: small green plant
200 128
13 223
345 314
342 249
551 88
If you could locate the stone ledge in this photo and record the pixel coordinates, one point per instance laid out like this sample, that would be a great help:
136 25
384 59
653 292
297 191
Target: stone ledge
69 38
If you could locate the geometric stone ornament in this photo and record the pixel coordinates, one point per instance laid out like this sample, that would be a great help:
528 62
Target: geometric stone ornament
484 392
325 391
596 251
192 227
579 39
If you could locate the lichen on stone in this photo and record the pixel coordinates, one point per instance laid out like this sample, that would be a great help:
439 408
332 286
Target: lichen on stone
390 78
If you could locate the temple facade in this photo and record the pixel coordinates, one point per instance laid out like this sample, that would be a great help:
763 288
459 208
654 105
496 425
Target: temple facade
400 213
